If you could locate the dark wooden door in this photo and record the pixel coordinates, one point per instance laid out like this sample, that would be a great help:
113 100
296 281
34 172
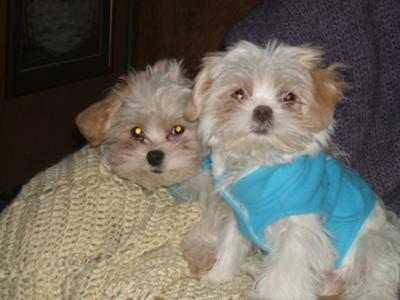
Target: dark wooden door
56 57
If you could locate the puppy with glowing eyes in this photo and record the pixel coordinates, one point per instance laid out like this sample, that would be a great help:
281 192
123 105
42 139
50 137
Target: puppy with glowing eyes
140 127
267 114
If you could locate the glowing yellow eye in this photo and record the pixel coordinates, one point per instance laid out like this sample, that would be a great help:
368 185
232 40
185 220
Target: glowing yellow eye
178 129
137 133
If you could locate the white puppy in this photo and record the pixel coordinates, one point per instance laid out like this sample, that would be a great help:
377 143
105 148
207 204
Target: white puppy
267 115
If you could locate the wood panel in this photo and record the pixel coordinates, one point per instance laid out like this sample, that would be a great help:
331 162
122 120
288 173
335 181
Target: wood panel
184 29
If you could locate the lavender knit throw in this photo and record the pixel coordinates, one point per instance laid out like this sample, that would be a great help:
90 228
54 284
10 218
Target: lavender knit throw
364 35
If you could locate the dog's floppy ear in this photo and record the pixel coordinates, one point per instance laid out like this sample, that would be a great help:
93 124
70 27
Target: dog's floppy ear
329 90
328 86
202 83
94 122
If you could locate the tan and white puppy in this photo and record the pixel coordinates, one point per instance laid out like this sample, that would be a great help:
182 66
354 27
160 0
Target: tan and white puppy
263 106
141 130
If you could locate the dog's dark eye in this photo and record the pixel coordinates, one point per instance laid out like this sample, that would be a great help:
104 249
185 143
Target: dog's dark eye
177 129
137 133
239 95
289 98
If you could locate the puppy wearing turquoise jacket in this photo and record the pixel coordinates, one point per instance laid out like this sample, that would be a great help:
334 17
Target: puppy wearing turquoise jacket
267 115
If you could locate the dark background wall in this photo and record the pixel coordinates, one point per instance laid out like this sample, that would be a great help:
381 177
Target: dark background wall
184 29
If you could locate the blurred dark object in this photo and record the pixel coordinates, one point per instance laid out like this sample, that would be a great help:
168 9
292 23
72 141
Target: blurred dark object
50 43
365 36
7 197
60 57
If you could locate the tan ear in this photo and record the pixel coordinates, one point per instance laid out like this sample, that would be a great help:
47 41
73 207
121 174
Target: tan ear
94 121
202 83
329 90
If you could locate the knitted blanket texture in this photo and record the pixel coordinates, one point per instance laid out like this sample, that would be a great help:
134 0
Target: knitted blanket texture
76 231
365 36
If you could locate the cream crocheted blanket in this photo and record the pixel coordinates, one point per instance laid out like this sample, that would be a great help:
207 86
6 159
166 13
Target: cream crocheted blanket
76 231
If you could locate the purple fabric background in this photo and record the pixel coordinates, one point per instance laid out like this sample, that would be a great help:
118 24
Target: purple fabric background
365 36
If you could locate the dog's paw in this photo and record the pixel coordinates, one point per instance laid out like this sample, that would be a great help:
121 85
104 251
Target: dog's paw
199 259
268 292
215 276
220 273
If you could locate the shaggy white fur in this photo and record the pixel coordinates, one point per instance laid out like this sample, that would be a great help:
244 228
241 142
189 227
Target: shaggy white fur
270 105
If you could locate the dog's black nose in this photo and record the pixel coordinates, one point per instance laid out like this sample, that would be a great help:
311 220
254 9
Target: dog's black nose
262 113
155 157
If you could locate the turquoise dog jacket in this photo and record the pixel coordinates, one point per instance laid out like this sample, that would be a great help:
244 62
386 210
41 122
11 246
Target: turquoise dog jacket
309 185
